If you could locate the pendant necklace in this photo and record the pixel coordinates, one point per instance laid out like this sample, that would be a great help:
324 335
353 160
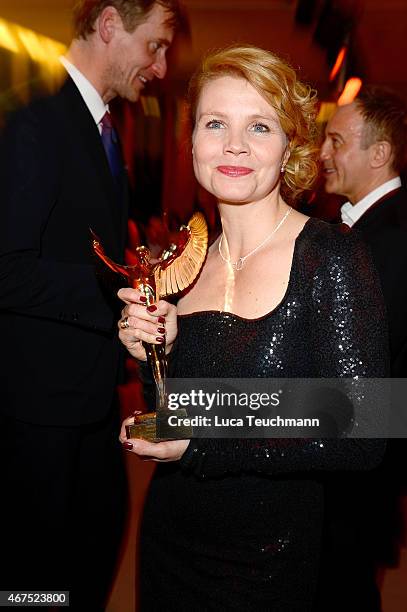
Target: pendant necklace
238 264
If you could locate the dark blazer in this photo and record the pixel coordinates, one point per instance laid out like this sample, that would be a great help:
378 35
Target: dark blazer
58 327
384 227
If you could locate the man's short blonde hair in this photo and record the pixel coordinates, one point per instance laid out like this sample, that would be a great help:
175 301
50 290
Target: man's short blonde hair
132 13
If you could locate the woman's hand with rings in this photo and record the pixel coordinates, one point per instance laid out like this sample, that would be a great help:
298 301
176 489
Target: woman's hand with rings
141 323
153 451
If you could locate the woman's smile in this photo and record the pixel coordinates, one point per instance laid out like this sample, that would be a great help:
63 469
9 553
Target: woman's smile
237 135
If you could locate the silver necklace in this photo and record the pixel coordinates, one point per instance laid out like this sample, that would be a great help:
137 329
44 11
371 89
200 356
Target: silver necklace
238 264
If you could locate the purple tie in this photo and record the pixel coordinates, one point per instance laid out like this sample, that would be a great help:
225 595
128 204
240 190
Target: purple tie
111 145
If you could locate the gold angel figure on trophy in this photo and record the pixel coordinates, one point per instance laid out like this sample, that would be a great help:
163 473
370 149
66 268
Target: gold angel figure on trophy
174 270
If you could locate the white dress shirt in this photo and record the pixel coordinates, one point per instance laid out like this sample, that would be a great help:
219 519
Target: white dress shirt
351 213
90 95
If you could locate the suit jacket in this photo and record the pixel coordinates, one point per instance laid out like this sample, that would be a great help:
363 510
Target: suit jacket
58 326
384 227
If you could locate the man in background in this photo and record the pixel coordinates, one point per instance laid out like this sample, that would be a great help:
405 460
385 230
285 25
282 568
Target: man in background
62 173
363 153
362 156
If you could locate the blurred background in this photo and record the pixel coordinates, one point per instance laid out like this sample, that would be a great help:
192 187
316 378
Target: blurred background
335 44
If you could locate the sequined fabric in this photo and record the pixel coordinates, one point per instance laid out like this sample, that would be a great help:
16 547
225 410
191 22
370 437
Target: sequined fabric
237 524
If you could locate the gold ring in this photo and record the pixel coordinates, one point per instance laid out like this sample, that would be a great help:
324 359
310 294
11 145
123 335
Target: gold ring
124 323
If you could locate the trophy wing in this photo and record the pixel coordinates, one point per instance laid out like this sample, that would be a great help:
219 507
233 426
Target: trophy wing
184 268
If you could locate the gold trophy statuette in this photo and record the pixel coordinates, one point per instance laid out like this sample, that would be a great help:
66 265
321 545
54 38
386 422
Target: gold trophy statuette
175 269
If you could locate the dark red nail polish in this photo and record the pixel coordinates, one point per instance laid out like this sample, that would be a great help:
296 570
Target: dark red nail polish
127 445
152 308
143 299
161 319
161 330
160 339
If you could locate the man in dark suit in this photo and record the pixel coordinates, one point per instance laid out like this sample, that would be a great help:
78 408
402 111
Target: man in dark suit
362 155
63 482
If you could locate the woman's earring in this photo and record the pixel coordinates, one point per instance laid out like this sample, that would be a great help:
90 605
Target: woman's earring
282 169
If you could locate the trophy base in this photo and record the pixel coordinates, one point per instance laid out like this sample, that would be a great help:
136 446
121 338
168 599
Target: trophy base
145 426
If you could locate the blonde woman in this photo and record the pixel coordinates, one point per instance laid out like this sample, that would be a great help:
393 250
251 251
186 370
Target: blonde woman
237 524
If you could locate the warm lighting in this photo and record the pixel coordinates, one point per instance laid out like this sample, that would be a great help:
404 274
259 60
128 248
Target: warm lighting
151 106
7 38
350 91
21 40
326 110
338 63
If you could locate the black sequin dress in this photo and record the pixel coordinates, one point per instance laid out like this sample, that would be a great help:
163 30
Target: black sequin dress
237 524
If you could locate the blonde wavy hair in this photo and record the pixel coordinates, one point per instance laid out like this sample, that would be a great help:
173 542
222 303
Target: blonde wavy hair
294 102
